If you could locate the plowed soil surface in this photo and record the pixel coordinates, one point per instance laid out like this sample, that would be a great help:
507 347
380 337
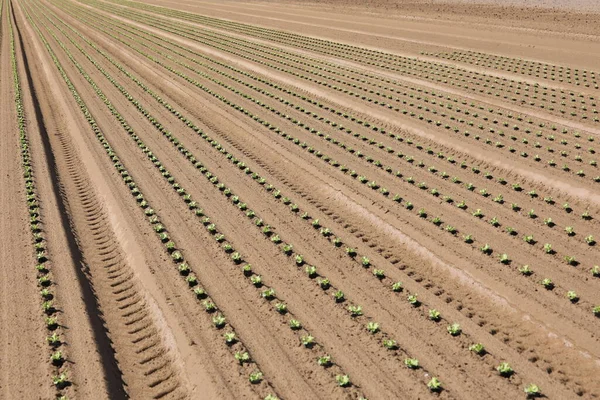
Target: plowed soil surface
298 200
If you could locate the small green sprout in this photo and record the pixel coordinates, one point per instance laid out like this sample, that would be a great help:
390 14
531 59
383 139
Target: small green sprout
532 390
454 329
230 338
255 377
324 361
412 299
307 341
434 385
242 356
548 284
355 311
525 270
295 324
339 296
411 363
343 380
373 327
505 369
434 315
477 348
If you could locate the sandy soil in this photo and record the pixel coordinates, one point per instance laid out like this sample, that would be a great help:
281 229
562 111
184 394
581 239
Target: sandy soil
339 135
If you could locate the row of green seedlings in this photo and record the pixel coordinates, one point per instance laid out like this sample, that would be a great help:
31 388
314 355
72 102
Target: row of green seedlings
525 269
311 64
311 270
363 54
295 38
565 167
570 259
525 67
497 144
44 277
498 199
220 323
486 249
267 293
438 123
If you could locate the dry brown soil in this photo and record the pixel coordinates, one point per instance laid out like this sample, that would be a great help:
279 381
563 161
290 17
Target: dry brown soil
402 176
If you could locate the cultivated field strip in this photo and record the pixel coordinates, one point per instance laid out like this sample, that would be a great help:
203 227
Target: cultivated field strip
50 305
478 215
335 221
539 70
134 334
208 175
236 257
519 149
459 77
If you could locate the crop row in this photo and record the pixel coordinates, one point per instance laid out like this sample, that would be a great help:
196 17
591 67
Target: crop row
434 117
45 280
219 321
557 73
388 61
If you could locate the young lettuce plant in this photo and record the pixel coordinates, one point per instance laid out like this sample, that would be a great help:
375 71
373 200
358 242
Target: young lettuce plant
230 338
572 296
505 369
411 363
295 324
324 361
477 348
343 380
548 284
355 311
57 358
525 270
412 299
373 327
255 377
532 390
242 357
434 385
308 341
434 315
454 329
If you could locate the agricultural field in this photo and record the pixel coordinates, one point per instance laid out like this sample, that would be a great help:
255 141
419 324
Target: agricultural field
292 200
